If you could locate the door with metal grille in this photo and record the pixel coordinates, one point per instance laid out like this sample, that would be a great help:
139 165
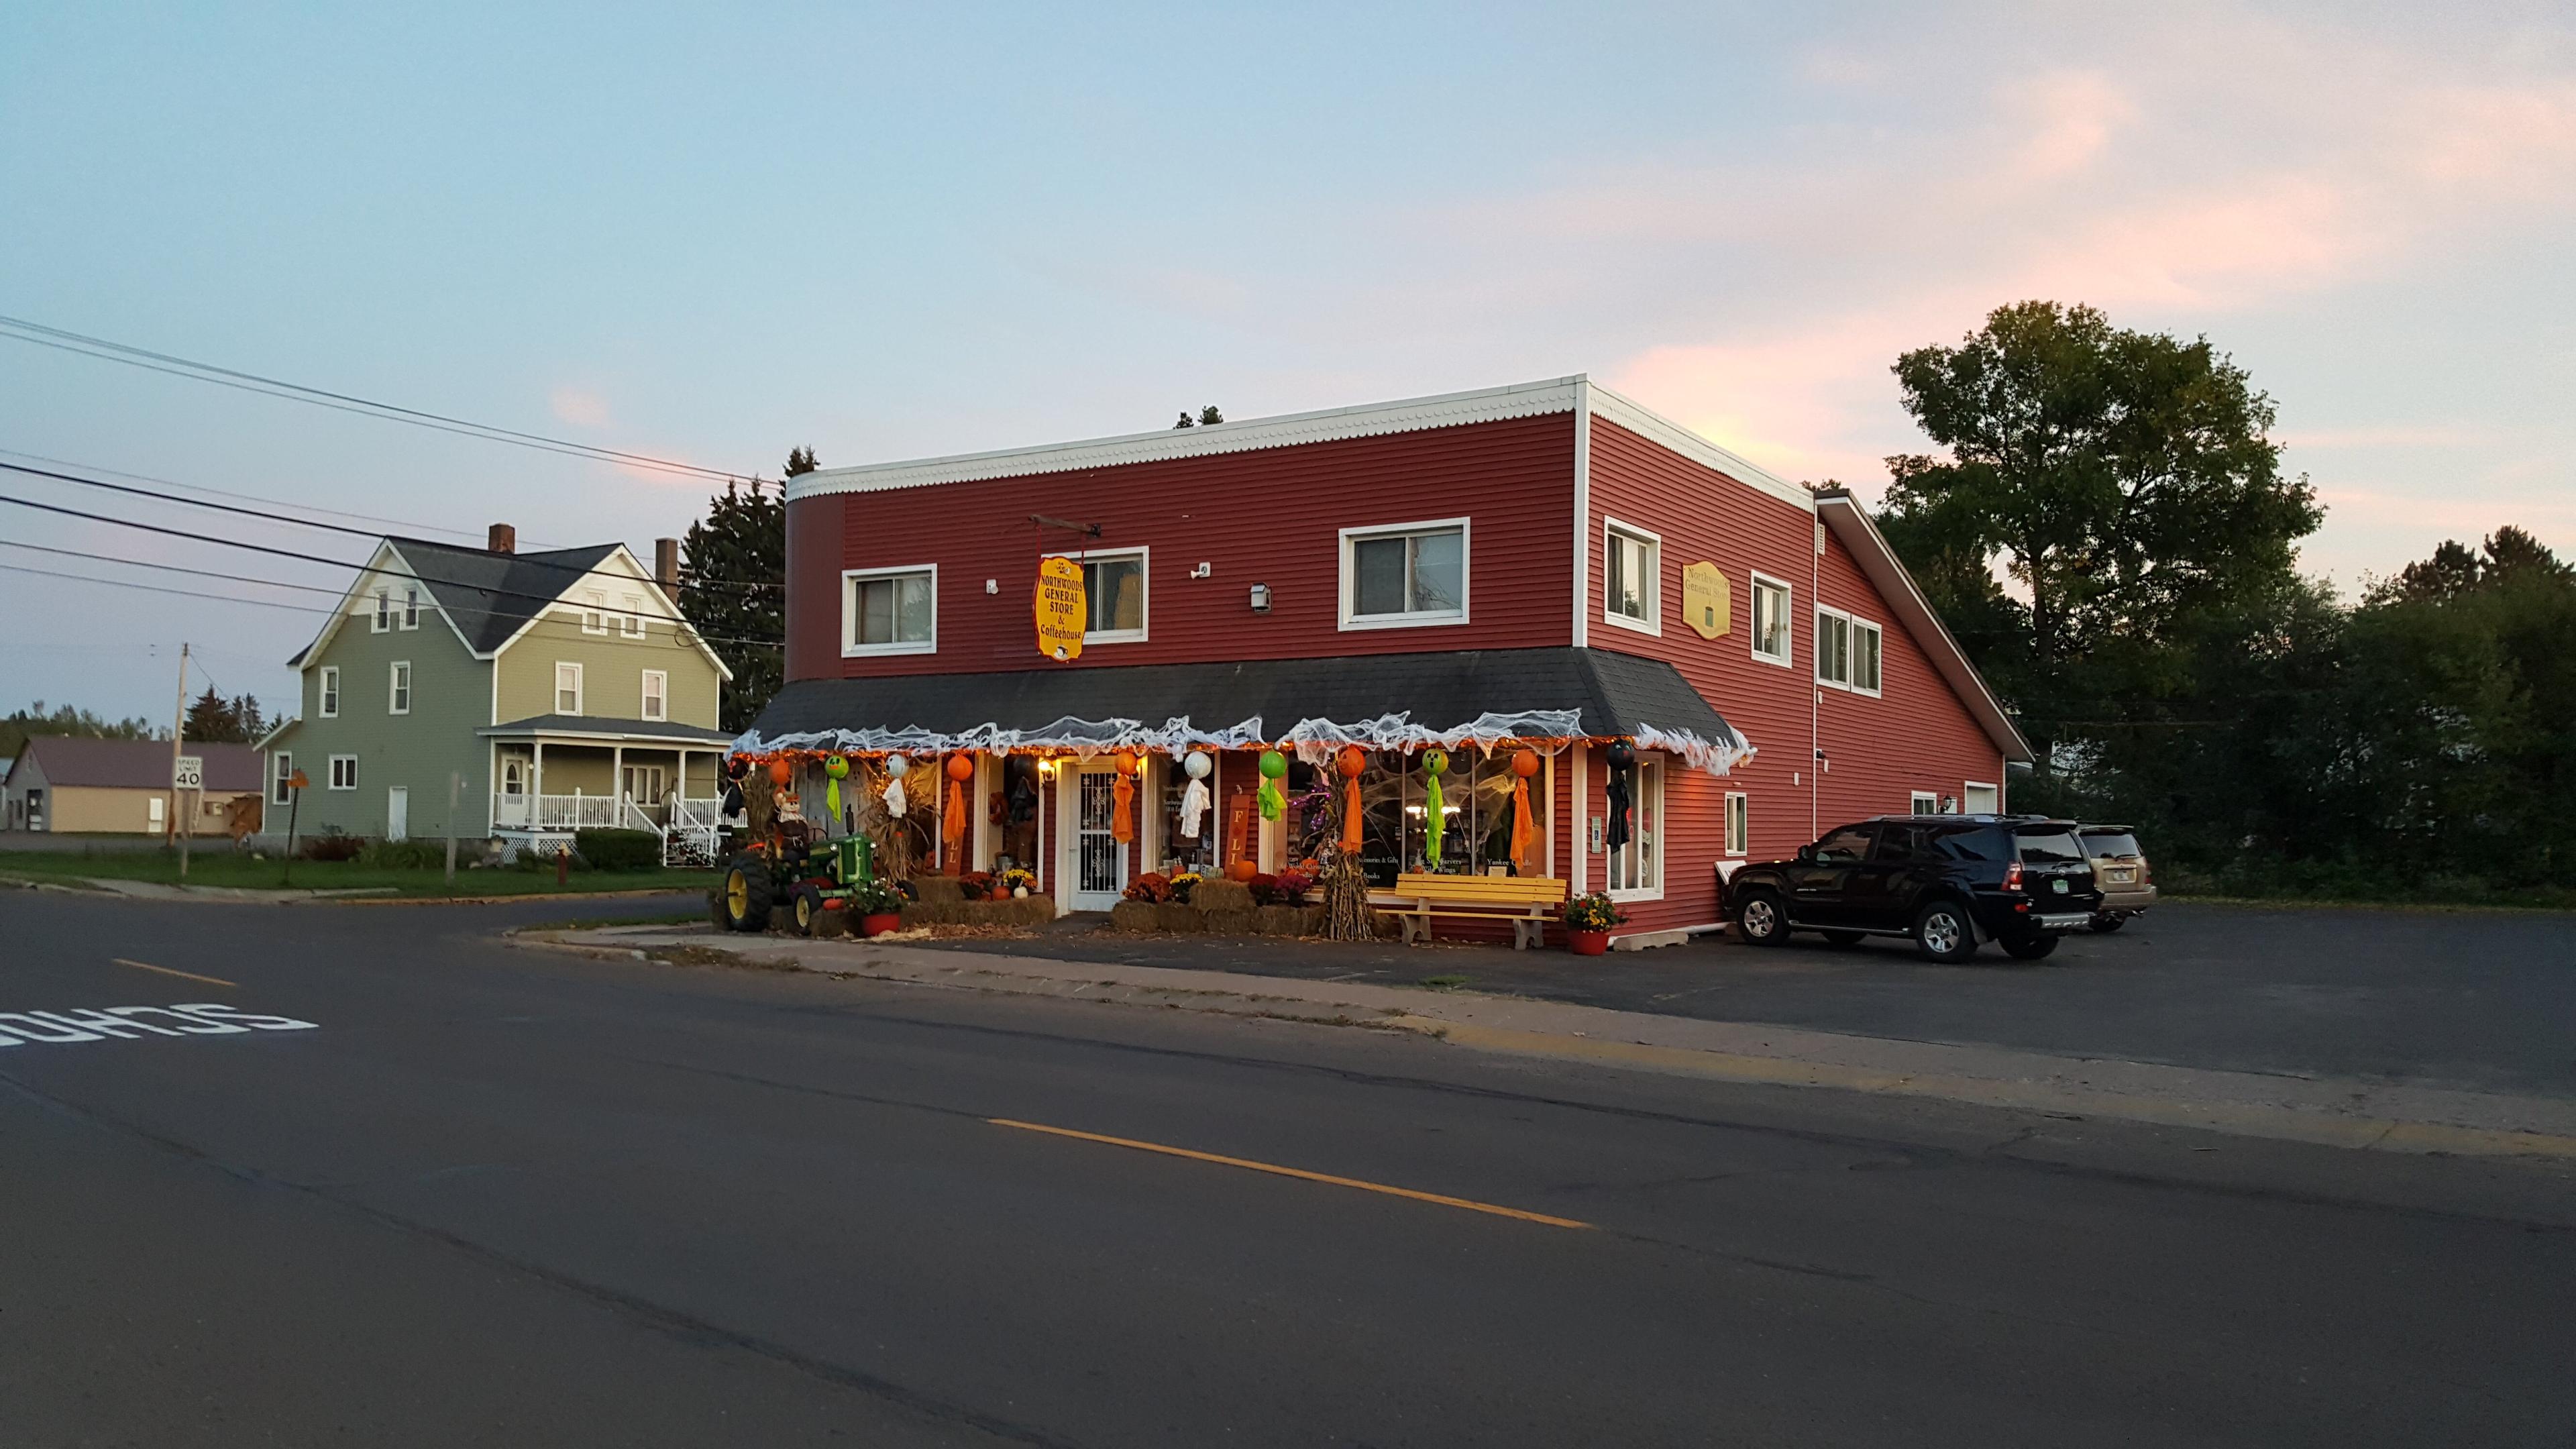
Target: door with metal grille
1099 861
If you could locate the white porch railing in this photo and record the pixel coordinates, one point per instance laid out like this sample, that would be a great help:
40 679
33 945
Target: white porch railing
693 831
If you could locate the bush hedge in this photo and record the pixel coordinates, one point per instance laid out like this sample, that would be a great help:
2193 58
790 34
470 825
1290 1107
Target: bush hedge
618 849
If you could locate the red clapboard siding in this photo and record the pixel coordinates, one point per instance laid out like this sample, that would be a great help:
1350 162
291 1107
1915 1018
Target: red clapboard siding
1270 516
1915 736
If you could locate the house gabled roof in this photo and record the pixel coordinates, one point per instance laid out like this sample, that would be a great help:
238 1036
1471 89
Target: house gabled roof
1870 549
78 761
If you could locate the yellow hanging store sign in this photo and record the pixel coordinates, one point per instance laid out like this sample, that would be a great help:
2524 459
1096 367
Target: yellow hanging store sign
1061 608
1705 599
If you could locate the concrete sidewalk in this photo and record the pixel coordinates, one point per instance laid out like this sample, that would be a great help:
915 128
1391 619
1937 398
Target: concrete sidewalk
2329 1111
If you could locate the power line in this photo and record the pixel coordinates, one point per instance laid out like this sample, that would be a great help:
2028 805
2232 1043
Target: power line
334 563
464 533
172 568
18 330
367 533
157 589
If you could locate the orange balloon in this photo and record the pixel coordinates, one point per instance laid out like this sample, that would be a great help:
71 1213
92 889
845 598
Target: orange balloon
1125 760
780 772
1351 761
961 767
1525 763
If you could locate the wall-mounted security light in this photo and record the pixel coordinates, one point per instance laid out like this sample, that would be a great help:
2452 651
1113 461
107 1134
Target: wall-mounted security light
1261 598
992 586
1204 571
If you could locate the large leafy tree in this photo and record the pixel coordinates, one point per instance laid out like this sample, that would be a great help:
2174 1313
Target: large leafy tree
733 574
22 724
2123 484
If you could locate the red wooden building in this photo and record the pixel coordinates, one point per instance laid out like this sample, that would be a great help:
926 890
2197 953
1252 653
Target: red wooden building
1546 565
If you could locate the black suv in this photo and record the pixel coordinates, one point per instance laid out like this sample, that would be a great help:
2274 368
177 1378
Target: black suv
1948 881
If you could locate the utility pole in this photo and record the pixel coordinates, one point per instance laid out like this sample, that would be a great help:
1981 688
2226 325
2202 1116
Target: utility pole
178 727
455 782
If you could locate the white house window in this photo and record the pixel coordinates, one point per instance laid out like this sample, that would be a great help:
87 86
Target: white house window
398 688
1632 577
657 694
594 612
1771 633
1923 802
1847 651
890 611
384 612
1636 868
514 778
1113 588
1866 642
411 608
1405 574
329 707
281 788
631 623
344 772
567 688
1739 822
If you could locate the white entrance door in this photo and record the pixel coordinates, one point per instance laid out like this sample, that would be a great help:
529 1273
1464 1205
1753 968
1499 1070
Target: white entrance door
514 792
398 813
1978 799
1098 864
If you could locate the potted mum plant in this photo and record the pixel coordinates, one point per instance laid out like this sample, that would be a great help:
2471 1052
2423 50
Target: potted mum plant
1588 920
879 907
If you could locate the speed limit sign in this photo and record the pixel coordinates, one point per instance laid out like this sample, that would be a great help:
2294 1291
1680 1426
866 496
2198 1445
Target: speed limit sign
188 772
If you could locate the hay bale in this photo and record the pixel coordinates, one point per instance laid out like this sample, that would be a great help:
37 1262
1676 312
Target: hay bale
1279 921
1232 922
939 889
1388 927
1134 916
1180 919
1029 910
1213 896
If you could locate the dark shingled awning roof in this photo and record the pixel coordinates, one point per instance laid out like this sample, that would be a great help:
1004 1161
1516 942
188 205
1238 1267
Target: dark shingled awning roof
490 595
1617 694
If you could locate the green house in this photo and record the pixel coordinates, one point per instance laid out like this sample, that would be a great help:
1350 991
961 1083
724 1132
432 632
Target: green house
542 693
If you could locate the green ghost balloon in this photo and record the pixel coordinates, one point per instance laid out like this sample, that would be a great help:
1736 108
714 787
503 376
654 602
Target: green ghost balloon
1274 768
835 770
1435 811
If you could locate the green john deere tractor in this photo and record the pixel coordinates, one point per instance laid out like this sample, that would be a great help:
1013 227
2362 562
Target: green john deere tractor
806 879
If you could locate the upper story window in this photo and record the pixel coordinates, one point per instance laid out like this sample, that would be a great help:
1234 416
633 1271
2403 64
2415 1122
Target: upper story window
1113 589
398 688
890 611
411 607
1847 651
329 705
384 618
657 694
1632 577
1771 633
1405 574
281 779
631 623
594 612
567 688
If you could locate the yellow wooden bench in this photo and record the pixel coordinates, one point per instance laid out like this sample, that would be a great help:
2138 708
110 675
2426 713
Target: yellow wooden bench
1528 902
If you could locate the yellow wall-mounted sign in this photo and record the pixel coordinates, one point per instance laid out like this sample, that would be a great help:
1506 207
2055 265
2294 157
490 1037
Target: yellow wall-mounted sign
1706 599
1061 608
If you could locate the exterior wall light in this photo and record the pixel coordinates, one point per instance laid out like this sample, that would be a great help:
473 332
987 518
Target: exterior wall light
1261 598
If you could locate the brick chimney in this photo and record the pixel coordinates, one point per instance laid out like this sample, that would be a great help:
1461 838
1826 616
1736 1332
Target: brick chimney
505 539
666 563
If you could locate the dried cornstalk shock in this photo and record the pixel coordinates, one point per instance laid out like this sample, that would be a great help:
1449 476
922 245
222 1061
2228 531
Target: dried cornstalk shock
759 804
1346 907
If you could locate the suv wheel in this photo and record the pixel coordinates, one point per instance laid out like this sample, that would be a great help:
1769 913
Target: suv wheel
1942 932
2109 921
2029 948
1760 921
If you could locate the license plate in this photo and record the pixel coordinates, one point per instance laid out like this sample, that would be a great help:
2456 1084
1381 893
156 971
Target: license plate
2124 876
2058 885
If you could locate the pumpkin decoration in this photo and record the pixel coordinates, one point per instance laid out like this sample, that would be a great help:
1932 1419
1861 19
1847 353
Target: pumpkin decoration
1350 762
1274 768
780 771
1435 810
952 822
1524 830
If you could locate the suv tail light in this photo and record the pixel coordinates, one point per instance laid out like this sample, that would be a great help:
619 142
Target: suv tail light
2012 876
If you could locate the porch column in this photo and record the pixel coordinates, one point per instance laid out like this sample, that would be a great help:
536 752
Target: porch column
617 780
1582 818
537 785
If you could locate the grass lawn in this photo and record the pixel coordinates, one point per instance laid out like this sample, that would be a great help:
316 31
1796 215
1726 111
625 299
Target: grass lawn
221 867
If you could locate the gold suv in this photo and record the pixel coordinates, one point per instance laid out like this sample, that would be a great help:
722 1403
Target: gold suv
2120 872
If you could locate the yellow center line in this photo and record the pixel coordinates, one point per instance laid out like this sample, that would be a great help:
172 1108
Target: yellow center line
1469 1204
166 971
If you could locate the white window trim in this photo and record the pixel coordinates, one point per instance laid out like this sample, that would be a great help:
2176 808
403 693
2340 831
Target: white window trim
335 772
1735 849
1143 554
382 619
556 698
1979 785
398 687
594 612
1852 625
1877 631
326 694
1753 621
281 768
649 697
1350 580
409 616
1653 623
1663 835
1923 802
851 648
630 624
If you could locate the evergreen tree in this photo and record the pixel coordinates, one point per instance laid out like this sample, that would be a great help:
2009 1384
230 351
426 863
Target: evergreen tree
733 571
20 725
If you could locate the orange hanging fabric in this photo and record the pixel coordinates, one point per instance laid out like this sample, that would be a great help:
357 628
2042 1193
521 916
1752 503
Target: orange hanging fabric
1122 818
1351 762
1524 831
952 821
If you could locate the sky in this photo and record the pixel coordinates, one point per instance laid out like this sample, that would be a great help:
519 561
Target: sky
714 233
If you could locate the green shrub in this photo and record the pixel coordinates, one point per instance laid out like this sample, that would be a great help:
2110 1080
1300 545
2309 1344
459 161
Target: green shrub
403 855
619 849
331 844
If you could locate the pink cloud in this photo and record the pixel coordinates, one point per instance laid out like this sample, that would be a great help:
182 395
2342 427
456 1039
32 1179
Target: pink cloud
580 407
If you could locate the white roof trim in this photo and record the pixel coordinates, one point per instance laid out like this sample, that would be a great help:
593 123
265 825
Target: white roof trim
678 621
373 568
1653 426
1869 548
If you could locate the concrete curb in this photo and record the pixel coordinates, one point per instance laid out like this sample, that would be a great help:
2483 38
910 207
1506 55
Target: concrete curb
152 890
2332 1112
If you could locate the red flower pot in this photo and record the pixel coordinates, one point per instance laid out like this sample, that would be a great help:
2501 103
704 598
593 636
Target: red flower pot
880 925
1587 943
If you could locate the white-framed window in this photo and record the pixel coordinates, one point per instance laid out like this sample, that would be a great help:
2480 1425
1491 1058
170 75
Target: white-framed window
1114 595
657 694
398 688
890 611
1637 867
411 607
1847 651
514 777
1631 577
327 704
1774 641
567 687
1923 802
594 612
1739 822
344 772
1405 574
384 616
631 623
281 776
